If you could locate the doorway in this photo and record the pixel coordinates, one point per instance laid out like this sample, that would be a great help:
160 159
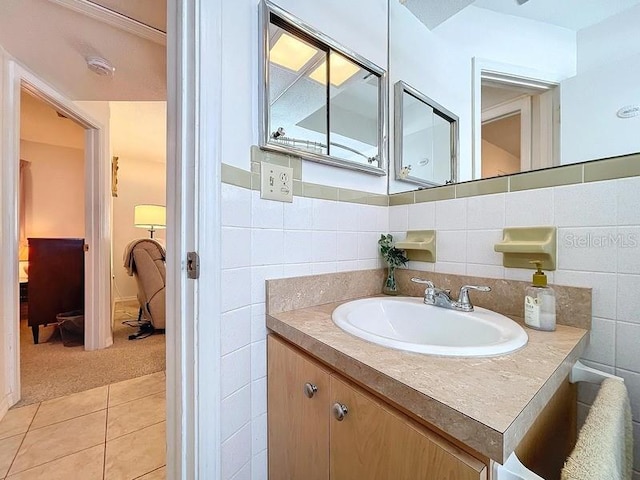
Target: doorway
516 119
119 413
517 131
97 258
52 228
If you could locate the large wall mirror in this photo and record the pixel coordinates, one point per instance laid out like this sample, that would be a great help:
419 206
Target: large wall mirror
320 101
535 84
426 138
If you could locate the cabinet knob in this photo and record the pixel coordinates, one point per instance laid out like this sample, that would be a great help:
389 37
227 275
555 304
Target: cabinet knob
310 390
340 410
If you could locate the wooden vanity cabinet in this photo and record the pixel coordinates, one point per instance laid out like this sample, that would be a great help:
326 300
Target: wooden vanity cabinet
298 420
372 441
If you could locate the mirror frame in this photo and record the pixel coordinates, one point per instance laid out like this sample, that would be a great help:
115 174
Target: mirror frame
266 9
400 89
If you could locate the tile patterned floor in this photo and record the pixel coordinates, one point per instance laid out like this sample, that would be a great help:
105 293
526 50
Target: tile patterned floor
115 432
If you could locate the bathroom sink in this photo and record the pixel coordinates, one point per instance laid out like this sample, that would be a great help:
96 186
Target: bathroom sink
406 323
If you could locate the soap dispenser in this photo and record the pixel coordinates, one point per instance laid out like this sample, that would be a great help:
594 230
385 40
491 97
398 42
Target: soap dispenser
540 302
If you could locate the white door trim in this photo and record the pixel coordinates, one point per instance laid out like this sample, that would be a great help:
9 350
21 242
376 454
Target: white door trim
9 178
97 165
97 215
194 84
507 73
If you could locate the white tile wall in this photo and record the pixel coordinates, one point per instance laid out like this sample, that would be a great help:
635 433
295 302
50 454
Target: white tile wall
298 215
236 206
529 208
421 216
452 214
628 299
235 412
487 211
602 342
603 287
587 249
451 246
628 247
598 247
236 371
399 218
235 330
325 215
262 239
587 204
627 205
240 256
236 452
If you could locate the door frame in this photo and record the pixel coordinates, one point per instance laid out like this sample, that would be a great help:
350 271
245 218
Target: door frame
512 75
97 216
194 152
194 87
521 106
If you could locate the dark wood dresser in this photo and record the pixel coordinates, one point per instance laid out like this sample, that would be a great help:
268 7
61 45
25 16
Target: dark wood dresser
56 279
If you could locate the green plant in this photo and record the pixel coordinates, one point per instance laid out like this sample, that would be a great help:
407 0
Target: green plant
395 257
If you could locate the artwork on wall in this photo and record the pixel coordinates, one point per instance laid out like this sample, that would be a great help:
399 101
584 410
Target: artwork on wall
114 177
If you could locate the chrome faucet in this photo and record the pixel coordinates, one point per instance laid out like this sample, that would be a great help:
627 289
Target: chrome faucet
441 298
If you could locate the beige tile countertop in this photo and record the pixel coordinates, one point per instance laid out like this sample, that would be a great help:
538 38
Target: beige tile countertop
486 403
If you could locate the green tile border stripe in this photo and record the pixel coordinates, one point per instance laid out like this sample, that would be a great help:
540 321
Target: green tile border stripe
612 168
446 192
324 192
592 171
405 198
550 177
235 176
482 187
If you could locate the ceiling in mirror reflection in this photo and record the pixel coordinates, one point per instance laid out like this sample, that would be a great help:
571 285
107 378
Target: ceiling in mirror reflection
571 14
589 48
320 101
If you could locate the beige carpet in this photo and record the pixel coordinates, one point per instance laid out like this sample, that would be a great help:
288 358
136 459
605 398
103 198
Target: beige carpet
49 370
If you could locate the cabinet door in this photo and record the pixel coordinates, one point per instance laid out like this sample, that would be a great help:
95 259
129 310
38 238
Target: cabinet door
298 420
372 442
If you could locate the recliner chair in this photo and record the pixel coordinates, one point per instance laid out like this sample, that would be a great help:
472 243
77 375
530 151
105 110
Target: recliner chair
144 259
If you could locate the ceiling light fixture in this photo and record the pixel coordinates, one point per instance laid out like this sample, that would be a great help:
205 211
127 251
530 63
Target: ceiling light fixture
291 53
341 70
100 66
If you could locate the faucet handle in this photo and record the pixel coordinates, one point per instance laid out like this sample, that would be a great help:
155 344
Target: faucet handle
423 281
463 298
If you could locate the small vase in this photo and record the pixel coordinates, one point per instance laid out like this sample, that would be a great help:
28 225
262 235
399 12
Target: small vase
390 286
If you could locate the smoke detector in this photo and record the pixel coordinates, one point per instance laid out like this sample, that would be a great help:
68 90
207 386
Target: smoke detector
100 66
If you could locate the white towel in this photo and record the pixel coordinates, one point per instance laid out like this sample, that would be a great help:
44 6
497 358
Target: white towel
604 449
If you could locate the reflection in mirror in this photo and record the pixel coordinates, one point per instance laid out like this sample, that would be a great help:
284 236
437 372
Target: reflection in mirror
520 130
320 101
426 136
291 93
578 62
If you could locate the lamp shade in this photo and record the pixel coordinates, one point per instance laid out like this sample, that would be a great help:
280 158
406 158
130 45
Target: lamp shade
23 253
150 216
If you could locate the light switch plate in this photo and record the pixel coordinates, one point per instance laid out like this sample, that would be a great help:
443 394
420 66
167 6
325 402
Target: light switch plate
276 182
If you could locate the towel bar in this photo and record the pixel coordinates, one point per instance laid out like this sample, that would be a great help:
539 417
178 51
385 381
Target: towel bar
513 469
582 373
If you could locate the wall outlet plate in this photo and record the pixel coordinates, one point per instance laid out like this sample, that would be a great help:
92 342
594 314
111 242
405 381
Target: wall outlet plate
276 182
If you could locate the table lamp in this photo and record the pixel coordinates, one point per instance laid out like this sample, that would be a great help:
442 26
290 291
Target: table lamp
23 259
151 217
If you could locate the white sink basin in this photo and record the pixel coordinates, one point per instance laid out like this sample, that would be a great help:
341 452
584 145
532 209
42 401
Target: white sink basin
406 323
